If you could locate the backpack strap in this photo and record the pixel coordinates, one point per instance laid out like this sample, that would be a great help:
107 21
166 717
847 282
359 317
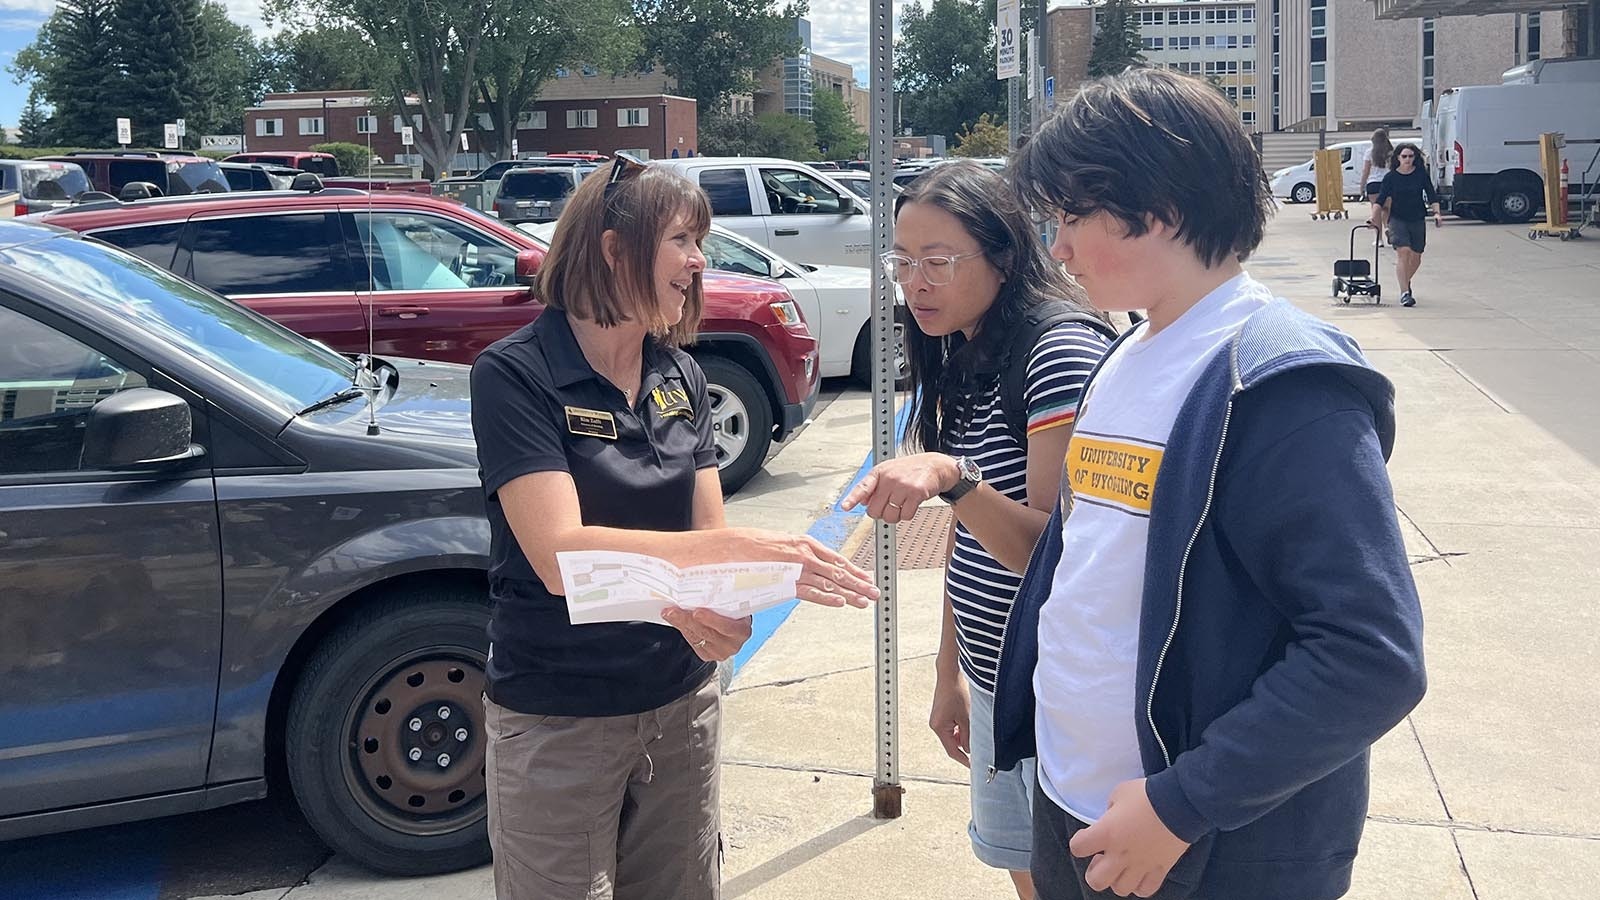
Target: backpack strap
1014 367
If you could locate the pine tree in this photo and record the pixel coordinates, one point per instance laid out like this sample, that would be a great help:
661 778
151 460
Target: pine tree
1117 45
69 61
157 54
34 126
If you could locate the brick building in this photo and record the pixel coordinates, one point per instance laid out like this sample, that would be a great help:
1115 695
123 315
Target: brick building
654 125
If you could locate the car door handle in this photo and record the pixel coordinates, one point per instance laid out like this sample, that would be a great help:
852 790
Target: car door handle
403 312
786 232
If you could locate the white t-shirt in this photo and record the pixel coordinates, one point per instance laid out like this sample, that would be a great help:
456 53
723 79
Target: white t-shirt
1089 628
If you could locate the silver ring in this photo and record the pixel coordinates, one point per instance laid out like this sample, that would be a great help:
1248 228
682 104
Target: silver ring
827 586
895 505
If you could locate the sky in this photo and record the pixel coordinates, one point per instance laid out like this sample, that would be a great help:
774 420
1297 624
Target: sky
838 31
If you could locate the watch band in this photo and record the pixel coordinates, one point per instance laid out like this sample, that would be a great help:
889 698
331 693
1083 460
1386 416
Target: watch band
971 477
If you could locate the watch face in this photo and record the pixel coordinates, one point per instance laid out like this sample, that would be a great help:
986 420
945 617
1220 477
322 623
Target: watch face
969 470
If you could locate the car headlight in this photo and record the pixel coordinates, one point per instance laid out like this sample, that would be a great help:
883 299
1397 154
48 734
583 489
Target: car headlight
787 312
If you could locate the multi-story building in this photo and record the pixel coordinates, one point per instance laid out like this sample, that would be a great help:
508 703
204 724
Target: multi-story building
1332 65
582 118
840 77
790 85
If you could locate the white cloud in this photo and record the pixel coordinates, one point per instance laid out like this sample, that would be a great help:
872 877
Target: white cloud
839 30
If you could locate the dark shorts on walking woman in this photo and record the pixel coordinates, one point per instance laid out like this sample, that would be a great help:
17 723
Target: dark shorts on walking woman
594 433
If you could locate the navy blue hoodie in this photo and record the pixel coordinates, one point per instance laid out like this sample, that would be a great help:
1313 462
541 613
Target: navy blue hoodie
1279 631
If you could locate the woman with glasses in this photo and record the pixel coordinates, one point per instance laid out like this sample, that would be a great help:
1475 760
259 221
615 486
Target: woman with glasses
974 271
594 433
1402 194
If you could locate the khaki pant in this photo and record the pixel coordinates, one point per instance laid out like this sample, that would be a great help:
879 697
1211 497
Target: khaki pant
613 808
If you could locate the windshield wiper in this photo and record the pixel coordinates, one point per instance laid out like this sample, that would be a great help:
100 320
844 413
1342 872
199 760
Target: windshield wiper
349 393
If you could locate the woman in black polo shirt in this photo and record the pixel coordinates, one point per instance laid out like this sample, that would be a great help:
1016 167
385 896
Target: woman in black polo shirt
594 433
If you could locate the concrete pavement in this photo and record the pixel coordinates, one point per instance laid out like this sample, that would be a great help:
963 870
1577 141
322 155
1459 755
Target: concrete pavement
1485 793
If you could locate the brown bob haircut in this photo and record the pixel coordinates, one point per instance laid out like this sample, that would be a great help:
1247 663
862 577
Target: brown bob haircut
1152 145
640 206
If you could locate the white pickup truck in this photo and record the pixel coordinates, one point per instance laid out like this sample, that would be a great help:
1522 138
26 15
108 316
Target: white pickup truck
799 212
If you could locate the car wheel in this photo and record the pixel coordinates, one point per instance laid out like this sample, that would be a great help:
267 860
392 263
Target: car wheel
1303 193
1514 204
741 420
385 741
861 357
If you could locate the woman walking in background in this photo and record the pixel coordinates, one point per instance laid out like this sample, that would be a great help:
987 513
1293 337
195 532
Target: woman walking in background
1373 168
1401 196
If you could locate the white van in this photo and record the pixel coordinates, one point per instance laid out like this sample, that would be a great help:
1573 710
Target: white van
1488 140
799 212
1299 183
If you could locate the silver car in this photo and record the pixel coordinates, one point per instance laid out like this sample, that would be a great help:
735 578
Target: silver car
537 194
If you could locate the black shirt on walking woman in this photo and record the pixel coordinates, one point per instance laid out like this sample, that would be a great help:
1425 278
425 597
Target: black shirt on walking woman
1408 191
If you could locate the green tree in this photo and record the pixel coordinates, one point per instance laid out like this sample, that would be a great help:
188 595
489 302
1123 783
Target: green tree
785 136
230 72
729 134
67 64
944 65
985 137
158 48
333 58
353 159
838 135
1117 44
714 48
34 125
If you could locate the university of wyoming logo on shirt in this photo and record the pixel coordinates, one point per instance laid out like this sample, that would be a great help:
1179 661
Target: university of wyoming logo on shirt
671 401
1112 471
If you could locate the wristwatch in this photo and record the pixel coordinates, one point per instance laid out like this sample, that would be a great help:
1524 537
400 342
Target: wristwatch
970 477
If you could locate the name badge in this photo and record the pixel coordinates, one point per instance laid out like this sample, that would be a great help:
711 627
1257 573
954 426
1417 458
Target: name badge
591 423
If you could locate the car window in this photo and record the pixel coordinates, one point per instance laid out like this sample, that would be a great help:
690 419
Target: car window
240 179
792 192
730 255
537 185
327 168
52 181
122 171
498 170
48 384
412 252
197 178
729 191
861 187
291 254
155 243
1344 155
245 347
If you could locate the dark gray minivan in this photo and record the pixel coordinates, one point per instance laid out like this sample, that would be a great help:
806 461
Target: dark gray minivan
42 186
537 194
228 552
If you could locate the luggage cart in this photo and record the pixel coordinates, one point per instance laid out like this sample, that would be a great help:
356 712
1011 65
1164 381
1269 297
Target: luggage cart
1354 276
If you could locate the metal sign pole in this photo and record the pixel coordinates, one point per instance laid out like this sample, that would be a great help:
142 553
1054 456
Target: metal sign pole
886 790
1013 113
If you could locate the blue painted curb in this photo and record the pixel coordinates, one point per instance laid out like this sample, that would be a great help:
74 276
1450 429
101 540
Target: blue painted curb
832 529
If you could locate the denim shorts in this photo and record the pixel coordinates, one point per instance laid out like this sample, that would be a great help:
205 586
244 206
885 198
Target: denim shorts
1002 809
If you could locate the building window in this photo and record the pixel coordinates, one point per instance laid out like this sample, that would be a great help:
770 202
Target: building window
1187 42
1248 14
1319 77
633 117
366 124
1274 23
269 128
1249 92
400 122
561 72
1186 17
311 125
583 118
1427 59
1248 117
1319 21
531 119
1247 40
1247 66
1152 17
589 71
1533 50
1232 92
1151 43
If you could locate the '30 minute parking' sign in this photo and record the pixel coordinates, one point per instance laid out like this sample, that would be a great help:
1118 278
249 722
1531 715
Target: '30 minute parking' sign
1008 62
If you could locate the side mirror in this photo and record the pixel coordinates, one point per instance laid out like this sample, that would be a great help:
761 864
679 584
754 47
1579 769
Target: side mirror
137 429
527 268
138 190
307 182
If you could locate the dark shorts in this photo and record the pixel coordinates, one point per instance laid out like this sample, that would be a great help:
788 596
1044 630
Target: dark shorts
1372 188
1408 233
1057 874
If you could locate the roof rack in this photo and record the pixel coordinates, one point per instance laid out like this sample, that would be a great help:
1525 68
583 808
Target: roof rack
147 154
218 197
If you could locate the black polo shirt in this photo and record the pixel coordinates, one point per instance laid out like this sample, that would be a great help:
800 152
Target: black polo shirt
537 406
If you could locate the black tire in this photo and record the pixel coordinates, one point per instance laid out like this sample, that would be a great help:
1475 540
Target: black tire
1515 203
349 734
741 419
1303 193
861 357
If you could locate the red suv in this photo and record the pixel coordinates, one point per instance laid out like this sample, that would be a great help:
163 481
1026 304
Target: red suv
436 280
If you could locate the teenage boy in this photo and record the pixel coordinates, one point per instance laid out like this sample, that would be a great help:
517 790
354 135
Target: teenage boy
1219 620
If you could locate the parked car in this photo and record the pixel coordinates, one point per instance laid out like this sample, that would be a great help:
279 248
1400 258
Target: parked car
323 164
215 569
836 301
379 183
1298 184
860 182
790 207
173 174
537 194
422 277
258 176
42 185
480 189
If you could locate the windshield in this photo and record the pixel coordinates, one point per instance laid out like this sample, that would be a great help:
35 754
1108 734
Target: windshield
55 181
235 342
324 166
197 178
537 185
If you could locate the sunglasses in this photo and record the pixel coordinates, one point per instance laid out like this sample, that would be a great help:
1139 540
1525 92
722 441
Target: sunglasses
626 166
